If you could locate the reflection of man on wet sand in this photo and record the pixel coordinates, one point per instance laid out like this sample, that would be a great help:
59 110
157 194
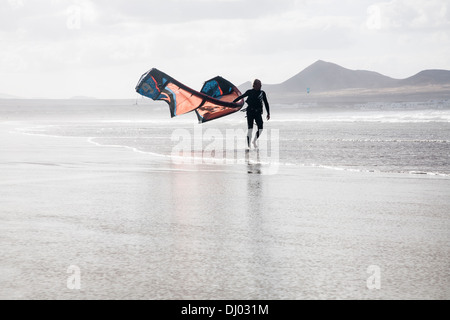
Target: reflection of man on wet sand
253 167
255 100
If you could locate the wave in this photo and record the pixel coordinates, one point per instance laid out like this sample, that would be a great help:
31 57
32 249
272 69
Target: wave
375 140
199 157
356 119
134 149
377 117
366 170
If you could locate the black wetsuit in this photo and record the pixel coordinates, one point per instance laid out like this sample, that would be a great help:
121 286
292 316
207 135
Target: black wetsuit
255 107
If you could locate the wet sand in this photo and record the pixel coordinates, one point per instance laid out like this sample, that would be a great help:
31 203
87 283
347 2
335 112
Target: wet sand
138 227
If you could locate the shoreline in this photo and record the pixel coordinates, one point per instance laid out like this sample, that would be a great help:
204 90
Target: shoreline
202 160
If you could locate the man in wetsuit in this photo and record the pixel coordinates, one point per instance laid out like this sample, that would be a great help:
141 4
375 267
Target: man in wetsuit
255 100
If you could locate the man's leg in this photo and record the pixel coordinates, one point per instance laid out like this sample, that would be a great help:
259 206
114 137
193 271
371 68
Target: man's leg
249 136
260 124
250 129
255 142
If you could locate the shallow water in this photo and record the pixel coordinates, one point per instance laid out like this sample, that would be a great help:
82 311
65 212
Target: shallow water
406 141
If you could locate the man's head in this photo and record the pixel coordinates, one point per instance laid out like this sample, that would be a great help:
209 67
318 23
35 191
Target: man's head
257 84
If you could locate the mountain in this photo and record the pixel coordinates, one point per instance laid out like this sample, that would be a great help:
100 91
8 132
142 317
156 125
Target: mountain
245 86
7 96
326 81
82 98
428 77
324 76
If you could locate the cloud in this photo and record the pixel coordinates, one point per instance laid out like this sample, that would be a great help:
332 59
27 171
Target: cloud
196 39
178 11
408 15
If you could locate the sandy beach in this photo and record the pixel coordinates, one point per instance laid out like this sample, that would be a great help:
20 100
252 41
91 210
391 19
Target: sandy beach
138 227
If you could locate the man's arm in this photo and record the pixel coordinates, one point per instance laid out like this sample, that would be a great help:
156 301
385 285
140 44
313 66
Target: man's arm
243 96
266 103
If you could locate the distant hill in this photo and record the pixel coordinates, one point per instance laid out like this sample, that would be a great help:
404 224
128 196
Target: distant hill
428 77
245 86
82 98
8 96
326 80
324 76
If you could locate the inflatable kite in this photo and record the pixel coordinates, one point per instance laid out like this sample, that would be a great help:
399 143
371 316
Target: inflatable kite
213 101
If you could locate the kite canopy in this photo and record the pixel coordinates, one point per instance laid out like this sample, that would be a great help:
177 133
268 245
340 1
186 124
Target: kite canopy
215 100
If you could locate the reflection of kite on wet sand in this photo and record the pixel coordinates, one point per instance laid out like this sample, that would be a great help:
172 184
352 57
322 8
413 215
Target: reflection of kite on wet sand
213 101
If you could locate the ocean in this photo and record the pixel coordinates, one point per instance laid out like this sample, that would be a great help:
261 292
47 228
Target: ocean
409 138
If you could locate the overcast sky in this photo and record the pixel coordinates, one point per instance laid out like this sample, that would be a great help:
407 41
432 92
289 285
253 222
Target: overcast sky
100 48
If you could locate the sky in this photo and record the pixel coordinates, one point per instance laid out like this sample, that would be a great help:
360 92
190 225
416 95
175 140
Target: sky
100 48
